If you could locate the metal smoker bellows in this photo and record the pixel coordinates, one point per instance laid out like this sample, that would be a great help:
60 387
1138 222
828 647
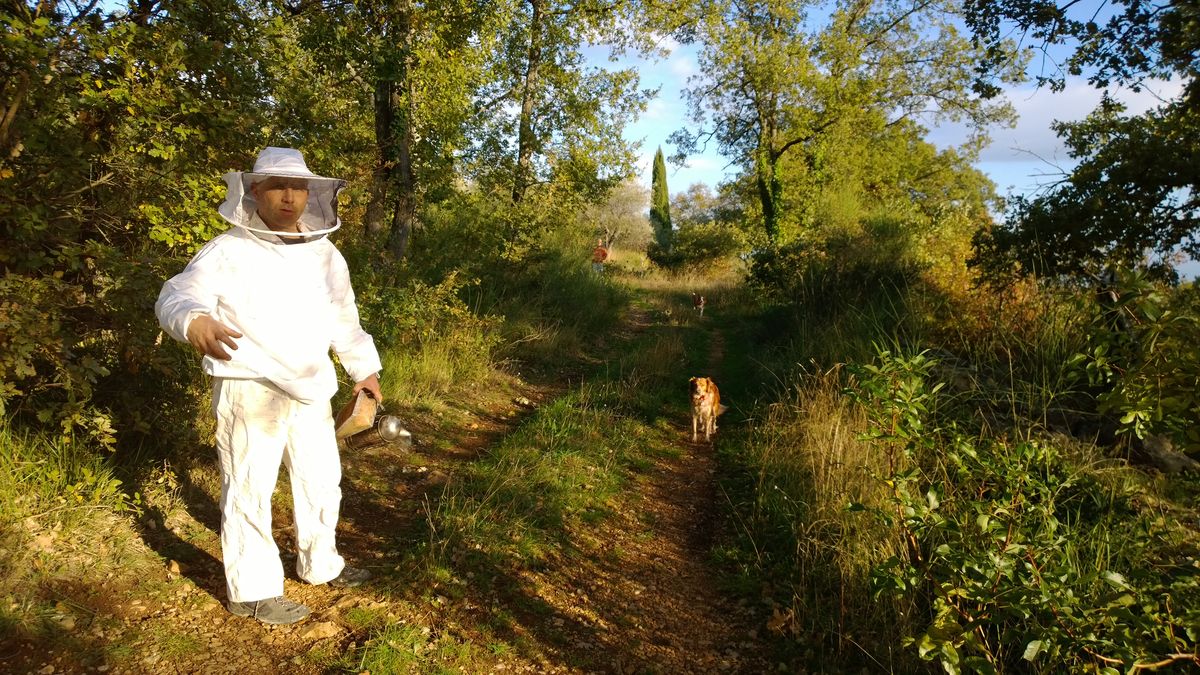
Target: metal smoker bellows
361 423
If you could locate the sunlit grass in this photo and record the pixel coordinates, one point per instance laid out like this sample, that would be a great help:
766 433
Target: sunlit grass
64 515
402 648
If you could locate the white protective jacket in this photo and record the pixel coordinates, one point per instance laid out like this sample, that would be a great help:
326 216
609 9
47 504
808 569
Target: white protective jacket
292 303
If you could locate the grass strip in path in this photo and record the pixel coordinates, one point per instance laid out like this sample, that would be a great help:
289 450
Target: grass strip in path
579 542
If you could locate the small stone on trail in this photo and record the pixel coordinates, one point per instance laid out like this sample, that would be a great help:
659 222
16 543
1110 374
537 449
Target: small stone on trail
320 631
173 567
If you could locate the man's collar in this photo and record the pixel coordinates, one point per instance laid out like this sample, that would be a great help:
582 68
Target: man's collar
257 223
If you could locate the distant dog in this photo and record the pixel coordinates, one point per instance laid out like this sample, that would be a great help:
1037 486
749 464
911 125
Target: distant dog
698 303
706 405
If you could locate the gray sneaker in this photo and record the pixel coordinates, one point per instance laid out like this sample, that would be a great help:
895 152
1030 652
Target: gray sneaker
272 610
350 577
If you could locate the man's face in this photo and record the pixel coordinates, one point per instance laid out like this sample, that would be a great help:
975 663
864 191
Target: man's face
281 201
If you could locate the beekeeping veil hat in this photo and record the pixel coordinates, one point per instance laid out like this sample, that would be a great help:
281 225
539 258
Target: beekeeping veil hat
320 213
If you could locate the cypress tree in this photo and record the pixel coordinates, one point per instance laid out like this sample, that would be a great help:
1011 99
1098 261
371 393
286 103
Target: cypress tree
660 203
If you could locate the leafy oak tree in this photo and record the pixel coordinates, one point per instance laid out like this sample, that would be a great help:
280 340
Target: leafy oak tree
620 219
116 123
1132 199
776 82
417 68
544 117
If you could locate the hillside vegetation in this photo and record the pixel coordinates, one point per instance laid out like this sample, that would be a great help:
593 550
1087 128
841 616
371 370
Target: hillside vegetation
953 444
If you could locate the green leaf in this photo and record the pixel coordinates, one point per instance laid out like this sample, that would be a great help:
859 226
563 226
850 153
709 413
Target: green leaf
1116 579
1032 650
925 645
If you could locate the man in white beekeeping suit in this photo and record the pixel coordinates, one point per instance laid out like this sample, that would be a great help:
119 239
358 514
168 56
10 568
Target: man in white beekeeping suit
264 303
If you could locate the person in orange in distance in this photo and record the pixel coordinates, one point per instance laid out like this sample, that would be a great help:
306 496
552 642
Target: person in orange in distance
265 302
599 255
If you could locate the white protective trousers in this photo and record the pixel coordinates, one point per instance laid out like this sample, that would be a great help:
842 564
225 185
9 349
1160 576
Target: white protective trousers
258 425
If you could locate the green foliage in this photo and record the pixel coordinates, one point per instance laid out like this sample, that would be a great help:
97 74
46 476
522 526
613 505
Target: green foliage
1131 201
1133 191
430 342
620 220
707 233
45 475
408 317
563 118
107 165
1018 551
1134 40
400 648
708 246
1142 356
841 267
56 495
660 204
801 104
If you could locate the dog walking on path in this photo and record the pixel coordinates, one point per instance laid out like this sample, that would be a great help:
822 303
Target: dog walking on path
706 405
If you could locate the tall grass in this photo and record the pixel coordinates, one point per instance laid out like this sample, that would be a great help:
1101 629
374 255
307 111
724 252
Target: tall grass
426 376
63 517
934 507
560 469
555 307
808 465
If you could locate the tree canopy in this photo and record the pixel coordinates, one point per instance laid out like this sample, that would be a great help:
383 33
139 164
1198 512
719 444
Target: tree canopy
781 85
1132 199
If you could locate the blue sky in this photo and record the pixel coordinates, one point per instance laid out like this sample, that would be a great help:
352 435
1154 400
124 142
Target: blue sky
1018 160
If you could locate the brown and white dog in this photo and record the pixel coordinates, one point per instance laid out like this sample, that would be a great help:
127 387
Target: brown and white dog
706 405
698 303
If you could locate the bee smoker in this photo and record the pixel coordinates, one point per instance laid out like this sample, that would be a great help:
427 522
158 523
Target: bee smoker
385 430
363 423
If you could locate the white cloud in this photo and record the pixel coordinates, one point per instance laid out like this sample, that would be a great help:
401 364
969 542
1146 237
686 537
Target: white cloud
702 163
666 43
658 109
1031 155
683 65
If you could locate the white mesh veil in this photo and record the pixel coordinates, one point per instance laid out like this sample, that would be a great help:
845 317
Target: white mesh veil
320 214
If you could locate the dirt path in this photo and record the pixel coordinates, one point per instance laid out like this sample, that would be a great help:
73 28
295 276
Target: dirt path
638 593
647 600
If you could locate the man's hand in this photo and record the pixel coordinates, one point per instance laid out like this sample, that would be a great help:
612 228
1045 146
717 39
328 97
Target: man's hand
211 337
371 384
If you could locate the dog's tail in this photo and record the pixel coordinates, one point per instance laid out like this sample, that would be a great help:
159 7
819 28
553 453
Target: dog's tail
721 407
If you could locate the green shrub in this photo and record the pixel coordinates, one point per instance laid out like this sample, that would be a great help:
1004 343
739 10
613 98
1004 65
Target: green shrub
430 342
1020 552
703 246
1142 356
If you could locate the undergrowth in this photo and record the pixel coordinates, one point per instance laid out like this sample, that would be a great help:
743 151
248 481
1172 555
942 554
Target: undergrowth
906 478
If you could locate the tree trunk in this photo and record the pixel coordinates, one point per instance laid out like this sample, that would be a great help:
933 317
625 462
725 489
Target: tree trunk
394 181
381 176
525 139
405 210
768 192
9 104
